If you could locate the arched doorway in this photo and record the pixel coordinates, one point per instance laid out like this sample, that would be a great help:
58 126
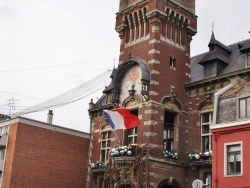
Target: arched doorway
125 186
168 183
166 186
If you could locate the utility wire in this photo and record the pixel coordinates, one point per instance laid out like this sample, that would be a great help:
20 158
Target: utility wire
52 66
70 96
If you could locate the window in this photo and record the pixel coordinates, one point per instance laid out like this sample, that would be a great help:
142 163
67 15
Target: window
4 130
172 62
233 159
2 154
206 119
105 143
108 98
248 59
168 133
132 136
244 107
132 133
209 70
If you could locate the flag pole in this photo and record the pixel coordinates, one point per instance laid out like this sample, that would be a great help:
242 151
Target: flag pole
122 136
116 136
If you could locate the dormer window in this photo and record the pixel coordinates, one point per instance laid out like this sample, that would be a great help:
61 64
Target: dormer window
209 70
216 59
244 48
244 107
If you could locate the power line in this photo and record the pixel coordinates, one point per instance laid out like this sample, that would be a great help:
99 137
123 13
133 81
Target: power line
52 66
70 96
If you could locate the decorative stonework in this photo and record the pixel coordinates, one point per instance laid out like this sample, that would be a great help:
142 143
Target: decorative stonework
164 39
149 134
154 41
151 112
155 27
188 65
208 106
153 93
172 106
153 61
132 103
153 51
151 122
152 82
155 72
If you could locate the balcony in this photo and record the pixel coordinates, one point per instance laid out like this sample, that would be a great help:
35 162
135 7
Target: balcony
3 140
201 159
123 161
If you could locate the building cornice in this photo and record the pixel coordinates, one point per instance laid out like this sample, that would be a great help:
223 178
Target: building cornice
230 124
216 78
36 123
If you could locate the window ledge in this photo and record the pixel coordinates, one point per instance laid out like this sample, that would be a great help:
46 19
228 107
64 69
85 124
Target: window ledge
232 175
173 68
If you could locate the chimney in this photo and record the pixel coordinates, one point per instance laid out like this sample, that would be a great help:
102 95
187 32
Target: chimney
50 117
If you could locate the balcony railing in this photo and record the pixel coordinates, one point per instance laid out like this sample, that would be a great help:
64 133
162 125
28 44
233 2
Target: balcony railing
123 161
200 156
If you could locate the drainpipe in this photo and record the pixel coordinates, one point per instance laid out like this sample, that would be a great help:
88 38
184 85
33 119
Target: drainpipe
215 114
216 102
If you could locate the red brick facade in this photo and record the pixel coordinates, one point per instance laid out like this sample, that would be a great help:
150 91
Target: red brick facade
43 155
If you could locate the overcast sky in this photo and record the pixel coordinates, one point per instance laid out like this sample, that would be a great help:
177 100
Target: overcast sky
48 47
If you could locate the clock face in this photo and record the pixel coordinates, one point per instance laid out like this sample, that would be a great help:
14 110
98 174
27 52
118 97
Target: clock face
131 78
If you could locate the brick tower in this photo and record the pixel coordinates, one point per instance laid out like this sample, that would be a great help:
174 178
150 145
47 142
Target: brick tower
153 68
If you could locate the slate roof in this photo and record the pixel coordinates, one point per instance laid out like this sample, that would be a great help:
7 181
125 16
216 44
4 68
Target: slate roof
236 61
213 41
213 55
245 45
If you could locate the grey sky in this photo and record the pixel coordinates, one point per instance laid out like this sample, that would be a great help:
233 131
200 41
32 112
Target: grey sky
41 34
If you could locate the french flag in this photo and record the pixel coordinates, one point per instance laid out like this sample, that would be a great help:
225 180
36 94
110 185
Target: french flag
121 118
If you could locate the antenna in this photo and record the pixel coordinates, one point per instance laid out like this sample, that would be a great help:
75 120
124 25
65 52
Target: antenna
11 104
213 27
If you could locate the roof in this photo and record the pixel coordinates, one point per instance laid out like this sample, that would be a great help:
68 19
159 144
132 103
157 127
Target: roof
213 41
245 45
236 61
213 55
231 92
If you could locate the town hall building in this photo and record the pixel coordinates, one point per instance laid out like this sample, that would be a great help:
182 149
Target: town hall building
174 97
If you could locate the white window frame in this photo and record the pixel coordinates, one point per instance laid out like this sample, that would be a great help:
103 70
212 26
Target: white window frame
246 107
209 134
209 70
248 59
133 135
107 140
226 162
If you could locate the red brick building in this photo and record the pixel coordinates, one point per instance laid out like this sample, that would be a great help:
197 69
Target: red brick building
171 93
38 154
231 133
